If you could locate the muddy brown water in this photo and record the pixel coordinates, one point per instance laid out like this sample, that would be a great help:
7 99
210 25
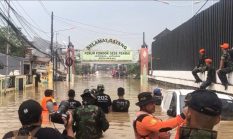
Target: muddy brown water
120 123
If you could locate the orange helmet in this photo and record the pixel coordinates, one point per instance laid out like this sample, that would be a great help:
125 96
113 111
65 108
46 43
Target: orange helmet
208 60
225 45
202 51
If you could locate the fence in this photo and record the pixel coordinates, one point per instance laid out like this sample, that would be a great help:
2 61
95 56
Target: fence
178 50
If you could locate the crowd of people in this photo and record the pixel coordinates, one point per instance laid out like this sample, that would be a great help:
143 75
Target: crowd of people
205 64
87 120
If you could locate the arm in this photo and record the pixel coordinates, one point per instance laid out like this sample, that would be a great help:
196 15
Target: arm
155 125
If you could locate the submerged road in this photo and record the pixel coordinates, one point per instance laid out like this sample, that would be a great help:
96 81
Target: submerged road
120 123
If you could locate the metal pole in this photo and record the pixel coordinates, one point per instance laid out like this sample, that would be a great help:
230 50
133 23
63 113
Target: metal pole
7 48
51 47
69 66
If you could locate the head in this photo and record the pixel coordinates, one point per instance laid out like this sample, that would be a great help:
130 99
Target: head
208 62
224 47
48 93
120 92
202 51
88 97
204 109
157 92
71 93
30 113
146 102
100 88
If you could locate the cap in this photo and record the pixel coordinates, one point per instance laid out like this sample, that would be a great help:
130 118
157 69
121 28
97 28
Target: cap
208 60
202 51
205 101
145 98
224 46
87 93
157 92
29 112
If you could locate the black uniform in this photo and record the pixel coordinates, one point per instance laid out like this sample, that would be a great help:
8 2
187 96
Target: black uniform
228 67
201 67
104 101
73 104
43 133
211 77
120 105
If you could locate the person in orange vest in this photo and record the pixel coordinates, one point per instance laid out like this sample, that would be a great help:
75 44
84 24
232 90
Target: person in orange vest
201 67
203 113
146 126
48 102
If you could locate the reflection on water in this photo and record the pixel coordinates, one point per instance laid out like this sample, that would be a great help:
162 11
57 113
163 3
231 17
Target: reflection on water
120 123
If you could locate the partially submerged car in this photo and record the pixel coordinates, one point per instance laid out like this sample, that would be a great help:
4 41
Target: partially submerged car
173 103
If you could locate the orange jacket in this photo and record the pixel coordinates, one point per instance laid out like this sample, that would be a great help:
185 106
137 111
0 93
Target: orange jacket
150 127
44 102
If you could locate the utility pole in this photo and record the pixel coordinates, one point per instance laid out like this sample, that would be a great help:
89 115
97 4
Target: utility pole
51 48
7 47
69 57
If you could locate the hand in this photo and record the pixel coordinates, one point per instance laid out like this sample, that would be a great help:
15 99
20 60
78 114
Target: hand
68 121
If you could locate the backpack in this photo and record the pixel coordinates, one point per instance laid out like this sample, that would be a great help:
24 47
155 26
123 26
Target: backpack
16 134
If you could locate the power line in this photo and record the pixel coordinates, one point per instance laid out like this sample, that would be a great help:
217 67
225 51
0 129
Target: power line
201 7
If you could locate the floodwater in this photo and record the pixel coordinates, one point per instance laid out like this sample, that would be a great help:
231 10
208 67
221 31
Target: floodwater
120 123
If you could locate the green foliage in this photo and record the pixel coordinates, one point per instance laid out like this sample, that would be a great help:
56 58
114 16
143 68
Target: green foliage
133 68
17 46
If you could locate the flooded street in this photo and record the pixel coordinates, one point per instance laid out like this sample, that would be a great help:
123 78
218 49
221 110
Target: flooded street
120 123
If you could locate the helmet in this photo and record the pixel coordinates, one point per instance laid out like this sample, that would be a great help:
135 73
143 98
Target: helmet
157 92
87 93
100 87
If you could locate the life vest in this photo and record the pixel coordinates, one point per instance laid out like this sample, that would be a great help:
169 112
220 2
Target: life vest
44 102
149 135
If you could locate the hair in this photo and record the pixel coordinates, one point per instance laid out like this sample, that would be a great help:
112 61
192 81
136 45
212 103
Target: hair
48 92
120 91
71 93
202 120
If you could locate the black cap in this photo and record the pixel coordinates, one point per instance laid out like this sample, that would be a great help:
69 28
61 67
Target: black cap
145 98
29 112
205 101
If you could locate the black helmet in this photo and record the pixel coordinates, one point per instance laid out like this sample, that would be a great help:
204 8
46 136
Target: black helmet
87 93
100 87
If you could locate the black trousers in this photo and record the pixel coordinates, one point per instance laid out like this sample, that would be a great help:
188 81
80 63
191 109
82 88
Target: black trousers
205 84
222 74
197 70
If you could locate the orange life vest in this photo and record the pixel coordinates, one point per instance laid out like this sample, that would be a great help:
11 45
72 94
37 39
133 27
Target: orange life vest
44 102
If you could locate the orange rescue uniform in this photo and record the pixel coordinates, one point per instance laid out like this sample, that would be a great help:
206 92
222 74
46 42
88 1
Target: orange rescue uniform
151 127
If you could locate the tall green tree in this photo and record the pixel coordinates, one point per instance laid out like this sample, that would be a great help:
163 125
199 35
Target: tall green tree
17 47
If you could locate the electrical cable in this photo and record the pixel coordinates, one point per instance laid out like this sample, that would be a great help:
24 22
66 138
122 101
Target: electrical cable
201 7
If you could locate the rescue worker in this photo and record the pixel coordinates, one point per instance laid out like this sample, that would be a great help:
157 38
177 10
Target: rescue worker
226 65
30 116
203 113
158 96
73 104
211 75
201 67
103 100
89 119
146 126
121 104
47 100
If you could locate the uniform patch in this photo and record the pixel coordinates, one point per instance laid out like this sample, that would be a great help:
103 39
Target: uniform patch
153 121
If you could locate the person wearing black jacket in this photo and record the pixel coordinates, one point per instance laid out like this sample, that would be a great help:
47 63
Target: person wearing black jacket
211 76
201 67
30 117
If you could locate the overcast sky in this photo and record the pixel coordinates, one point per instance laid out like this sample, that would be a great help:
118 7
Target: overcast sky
86 21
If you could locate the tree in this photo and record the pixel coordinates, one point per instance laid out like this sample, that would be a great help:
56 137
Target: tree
17 46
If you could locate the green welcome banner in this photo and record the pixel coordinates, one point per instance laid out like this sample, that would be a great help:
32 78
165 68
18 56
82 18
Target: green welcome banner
89 56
